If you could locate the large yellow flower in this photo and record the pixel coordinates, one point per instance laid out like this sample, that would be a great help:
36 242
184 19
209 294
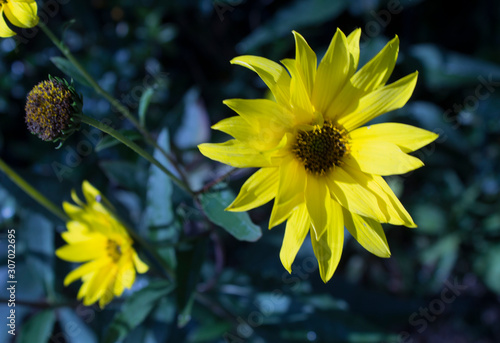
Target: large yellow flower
95 236
21 13
323 170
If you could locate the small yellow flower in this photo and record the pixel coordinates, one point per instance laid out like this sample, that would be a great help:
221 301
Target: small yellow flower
323 170
96 237
20 13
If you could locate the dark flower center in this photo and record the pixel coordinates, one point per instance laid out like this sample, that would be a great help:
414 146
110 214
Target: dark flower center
114 250
321 148
49 108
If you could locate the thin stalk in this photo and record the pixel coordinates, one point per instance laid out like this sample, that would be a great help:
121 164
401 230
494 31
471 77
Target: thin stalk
114 102
143 153
28 189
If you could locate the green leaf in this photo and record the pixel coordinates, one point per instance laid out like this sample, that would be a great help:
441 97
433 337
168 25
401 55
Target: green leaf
72 322
109 141
300 13
195 127
38 328
488 267
69 69
122 172
447 69
159 216
144 104
189 261
238 224
135 309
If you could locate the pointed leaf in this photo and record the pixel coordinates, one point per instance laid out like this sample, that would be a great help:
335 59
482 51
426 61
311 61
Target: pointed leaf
135 309
238 224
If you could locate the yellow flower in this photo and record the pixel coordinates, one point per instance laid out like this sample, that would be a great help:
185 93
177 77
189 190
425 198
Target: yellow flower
97 237
323 170
20 13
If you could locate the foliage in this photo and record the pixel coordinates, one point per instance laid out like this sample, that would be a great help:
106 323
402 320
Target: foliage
169 61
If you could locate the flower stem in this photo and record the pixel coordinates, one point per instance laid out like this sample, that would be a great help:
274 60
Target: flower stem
121 138
114 102
26 187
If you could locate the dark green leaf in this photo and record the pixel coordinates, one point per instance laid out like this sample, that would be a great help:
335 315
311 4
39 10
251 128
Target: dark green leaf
135 309
38 328
189 261
237 224
72 322
69 69
121 172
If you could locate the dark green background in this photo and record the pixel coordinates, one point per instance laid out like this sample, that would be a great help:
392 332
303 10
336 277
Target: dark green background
442 282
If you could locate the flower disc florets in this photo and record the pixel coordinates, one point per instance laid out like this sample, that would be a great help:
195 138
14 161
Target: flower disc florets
50 110
321 148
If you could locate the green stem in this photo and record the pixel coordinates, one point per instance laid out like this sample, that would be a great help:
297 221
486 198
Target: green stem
118 136
26 187
114 102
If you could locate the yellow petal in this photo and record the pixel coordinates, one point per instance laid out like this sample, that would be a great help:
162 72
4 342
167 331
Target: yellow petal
108 293
235 154
384 99
84 269
22 13
408 138
139 264
317 201
77 232
262 113
299 96
328 248
387 202
84 251
95 286
260 188
333 72
91 193
296 230
368 233
74 212
306 62
273 75
243 132
353 45
266 122
380 158
352 195
397 213
5 31
125 276
82 292
377 71
290 191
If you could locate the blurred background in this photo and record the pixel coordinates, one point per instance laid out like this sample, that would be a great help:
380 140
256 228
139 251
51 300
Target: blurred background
442 283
